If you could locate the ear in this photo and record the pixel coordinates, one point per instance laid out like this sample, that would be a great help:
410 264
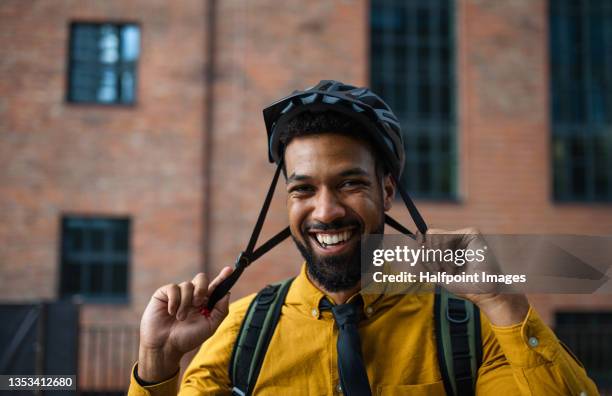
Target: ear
388 191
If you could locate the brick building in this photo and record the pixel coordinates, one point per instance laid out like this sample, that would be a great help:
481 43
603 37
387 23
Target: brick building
133 130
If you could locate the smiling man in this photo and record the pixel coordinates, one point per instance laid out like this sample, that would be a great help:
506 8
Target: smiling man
341 152
335 193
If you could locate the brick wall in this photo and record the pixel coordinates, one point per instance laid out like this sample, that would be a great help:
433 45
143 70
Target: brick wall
148 161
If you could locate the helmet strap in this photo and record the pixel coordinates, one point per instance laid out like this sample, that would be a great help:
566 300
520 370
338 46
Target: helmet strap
412 209
250 254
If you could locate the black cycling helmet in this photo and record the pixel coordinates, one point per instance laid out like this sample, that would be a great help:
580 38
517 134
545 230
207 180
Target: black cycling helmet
361 104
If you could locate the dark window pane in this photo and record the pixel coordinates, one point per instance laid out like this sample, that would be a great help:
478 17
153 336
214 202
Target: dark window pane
424 100
120 239
445 174
76 240
578 180
444 25
96 240
412 68
603 159
445 65
119 279
72 277
99 267
444 96
96 277
423 23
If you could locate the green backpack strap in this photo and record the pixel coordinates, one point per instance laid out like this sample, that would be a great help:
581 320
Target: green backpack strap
459 342
255 335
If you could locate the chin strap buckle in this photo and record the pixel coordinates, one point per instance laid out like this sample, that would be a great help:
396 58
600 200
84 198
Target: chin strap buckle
242 261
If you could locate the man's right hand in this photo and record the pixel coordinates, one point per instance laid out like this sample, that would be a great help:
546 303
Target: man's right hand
172 324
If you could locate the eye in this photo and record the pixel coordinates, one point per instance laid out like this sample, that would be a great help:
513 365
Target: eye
301 189
353 183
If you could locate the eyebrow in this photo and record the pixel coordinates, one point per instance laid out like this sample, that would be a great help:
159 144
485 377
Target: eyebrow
357 171
293 177
354 172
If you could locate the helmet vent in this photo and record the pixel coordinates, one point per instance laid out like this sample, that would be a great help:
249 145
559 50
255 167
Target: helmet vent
358 108
287 108
309 99
330 99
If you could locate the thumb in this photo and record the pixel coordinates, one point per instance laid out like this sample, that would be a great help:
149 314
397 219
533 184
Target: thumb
220 310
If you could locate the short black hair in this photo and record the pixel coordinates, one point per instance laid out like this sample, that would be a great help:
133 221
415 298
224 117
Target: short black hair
310 123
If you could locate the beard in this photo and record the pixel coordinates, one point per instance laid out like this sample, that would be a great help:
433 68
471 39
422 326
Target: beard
336 272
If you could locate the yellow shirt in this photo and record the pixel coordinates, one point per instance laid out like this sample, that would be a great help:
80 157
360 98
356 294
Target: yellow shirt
399 350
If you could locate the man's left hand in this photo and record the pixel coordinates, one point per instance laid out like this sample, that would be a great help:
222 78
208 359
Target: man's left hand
502 309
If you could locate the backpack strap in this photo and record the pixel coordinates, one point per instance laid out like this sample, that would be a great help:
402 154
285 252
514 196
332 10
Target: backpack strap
459 342
255 335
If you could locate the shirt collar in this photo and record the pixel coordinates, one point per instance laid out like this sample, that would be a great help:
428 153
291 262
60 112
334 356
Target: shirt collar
305 296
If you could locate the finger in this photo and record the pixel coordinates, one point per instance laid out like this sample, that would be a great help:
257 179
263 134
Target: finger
437 238
200 289
435 231
221 309
462 237
461 231
466 231
173 293
223 274
186 300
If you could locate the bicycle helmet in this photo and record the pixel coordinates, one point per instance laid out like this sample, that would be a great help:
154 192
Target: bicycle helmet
361 104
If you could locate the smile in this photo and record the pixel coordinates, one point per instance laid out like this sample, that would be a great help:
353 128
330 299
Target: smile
332 240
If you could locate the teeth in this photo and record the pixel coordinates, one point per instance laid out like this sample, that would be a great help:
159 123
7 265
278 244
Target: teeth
332 239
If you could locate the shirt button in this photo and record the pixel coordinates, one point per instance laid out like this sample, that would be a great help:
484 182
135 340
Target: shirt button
534 342
339 387
315 312
369 310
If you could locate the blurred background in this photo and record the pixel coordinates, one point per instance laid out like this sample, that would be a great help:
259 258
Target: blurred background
133 150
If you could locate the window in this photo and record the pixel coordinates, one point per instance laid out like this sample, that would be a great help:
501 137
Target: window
412 67
95 258
102 63
589 336
581 99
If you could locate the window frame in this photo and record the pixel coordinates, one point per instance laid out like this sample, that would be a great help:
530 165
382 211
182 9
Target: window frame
87 297
68 95
567 136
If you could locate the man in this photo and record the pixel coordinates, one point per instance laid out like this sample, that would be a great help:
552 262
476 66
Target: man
341 152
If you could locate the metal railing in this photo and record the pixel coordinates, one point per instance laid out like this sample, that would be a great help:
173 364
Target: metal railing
106 355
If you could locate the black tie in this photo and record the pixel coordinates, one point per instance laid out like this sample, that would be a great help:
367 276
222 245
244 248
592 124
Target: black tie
353 376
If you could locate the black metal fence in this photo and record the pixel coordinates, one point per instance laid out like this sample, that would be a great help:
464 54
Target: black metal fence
593 347
39 338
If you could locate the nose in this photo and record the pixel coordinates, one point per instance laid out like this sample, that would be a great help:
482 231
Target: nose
327 207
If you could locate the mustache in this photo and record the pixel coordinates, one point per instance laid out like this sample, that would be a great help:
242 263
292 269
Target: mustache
336 224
